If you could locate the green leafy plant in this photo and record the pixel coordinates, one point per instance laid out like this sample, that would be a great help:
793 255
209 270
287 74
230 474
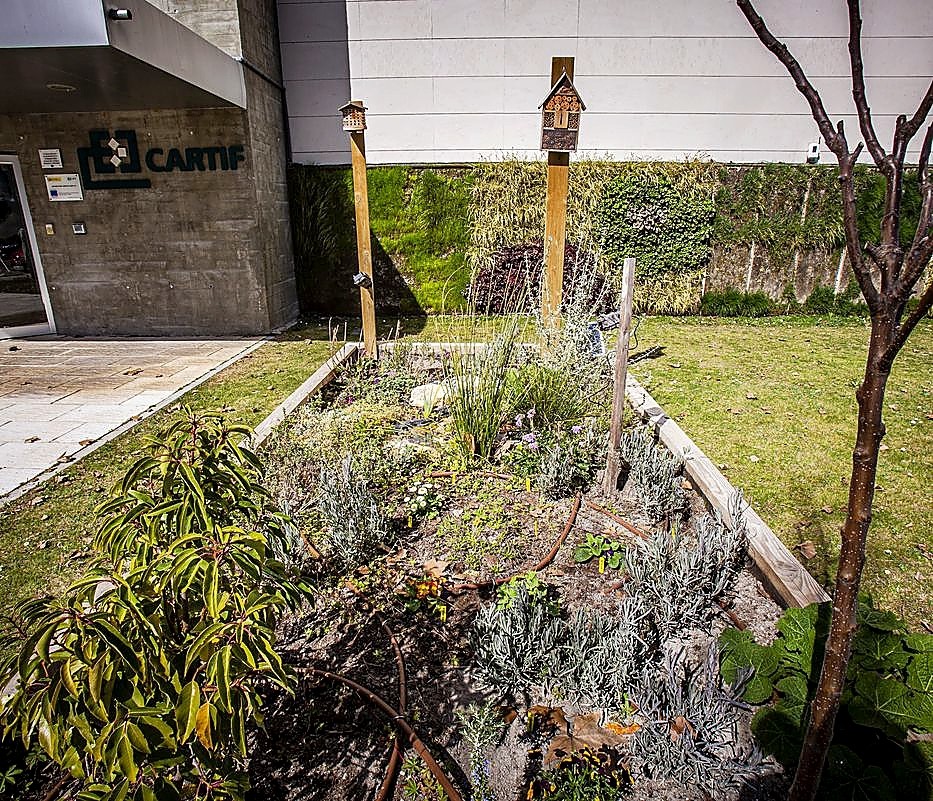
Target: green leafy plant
418 783
879 750
663 220
424 499
732 303
596 546
584 775
143 680
537 590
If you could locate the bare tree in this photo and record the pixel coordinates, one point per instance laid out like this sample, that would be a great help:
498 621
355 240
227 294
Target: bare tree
887 275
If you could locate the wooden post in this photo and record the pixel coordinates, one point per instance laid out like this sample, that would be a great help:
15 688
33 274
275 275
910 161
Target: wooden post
363 244
611 476
555 223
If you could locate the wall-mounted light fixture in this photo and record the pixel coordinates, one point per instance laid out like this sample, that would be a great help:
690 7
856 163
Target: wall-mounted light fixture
119 14
61 87
363 280
813 152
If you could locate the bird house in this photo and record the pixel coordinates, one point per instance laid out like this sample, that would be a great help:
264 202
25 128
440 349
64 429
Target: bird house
560 116
354 116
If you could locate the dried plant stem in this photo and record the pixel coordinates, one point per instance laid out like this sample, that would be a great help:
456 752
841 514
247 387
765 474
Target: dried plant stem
617 519
398 720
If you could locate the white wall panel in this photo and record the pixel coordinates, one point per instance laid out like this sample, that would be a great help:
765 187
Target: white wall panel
460 80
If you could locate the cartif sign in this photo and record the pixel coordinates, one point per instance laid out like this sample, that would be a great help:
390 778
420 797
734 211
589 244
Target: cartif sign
118 154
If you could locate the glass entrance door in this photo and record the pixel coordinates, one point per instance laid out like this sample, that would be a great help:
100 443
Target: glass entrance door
24 308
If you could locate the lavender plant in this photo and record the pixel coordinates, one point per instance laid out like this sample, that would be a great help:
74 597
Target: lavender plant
676 578
352 518
691 730
568 461
654 473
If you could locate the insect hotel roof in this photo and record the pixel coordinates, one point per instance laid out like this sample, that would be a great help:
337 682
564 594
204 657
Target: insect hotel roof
560 116
354 116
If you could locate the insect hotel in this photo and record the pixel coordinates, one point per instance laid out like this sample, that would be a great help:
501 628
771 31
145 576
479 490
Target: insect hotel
560 116
354 116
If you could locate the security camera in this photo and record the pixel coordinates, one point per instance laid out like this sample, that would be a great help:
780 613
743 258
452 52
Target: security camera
813 153
362 280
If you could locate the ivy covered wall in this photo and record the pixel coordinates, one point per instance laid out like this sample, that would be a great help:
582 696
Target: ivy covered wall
692 226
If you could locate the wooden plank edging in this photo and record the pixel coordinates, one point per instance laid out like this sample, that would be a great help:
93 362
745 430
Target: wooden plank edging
782 570
318 379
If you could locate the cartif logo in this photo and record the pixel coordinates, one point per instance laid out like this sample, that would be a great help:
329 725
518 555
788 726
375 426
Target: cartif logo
108 155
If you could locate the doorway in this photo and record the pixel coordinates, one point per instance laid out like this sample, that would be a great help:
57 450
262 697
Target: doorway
24 297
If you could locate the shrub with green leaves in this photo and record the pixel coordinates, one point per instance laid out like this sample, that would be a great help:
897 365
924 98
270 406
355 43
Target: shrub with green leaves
664 221
144 679
881 746
732 303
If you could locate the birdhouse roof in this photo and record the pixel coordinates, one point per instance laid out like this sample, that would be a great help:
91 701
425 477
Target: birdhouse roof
353 104
563 81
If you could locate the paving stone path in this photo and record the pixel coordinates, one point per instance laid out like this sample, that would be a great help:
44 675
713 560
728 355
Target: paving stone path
59 397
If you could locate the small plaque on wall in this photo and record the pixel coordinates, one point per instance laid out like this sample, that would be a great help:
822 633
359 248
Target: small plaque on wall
64 186
50 158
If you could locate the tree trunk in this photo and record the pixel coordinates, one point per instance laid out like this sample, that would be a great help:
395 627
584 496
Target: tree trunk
842 630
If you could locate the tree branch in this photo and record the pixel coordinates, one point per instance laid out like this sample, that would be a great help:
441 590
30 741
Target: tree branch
908 325
911 128
917 260
858 86
834 140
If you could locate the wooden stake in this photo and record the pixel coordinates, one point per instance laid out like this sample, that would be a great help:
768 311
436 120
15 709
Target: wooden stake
611 476
558 176
363 245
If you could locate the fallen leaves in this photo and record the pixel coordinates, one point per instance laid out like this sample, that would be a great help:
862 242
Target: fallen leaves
583 732
679 725
807 549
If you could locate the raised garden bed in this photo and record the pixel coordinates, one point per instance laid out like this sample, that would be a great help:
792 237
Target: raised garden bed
541 640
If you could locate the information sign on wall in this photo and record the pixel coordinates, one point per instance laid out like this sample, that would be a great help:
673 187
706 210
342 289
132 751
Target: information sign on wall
64 186
50 158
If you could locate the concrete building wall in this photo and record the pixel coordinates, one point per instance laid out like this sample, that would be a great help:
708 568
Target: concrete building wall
460 80
214 20
187 256
267 137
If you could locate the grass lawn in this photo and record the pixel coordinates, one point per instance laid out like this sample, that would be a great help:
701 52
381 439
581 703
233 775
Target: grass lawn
45 535
783 390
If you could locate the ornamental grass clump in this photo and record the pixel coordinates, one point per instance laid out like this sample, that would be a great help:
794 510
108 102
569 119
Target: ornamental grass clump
479 405
143 681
